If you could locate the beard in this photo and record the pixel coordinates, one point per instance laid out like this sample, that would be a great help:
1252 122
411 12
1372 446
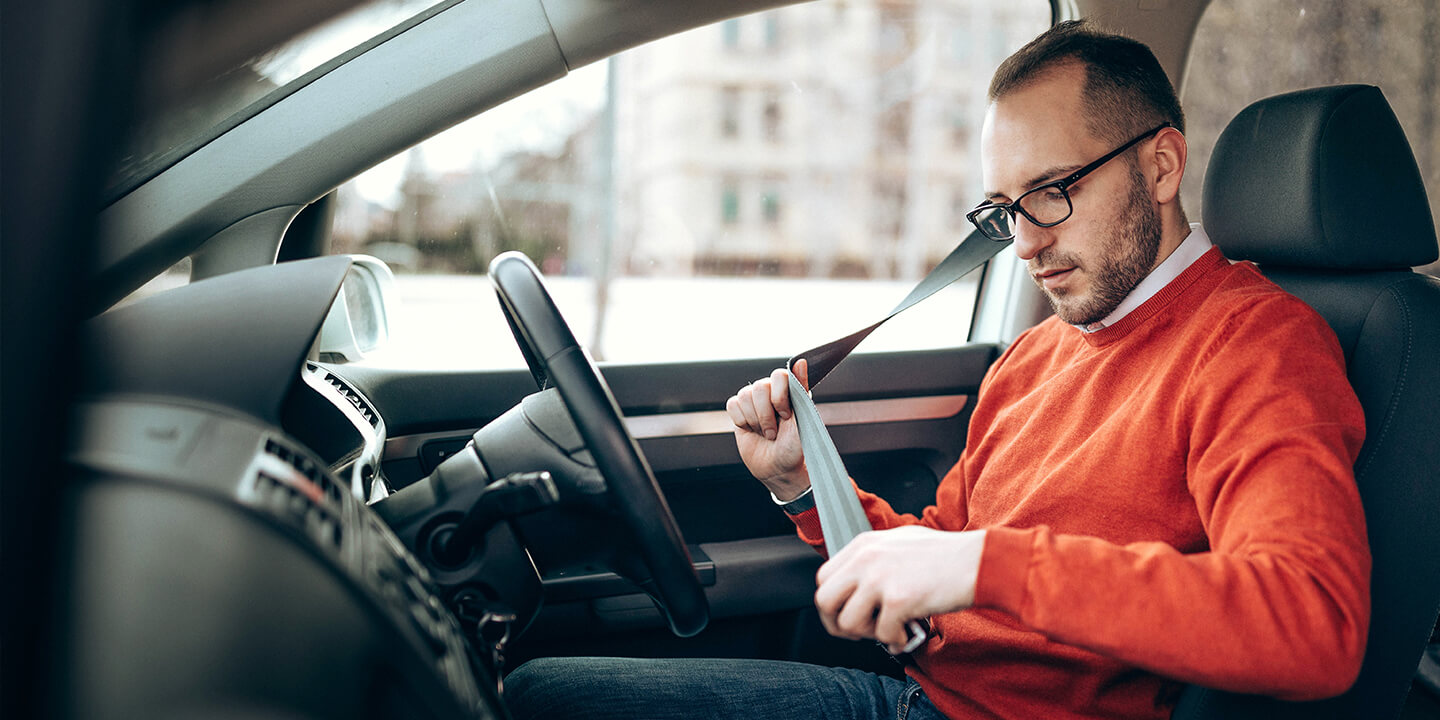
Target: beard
1126 257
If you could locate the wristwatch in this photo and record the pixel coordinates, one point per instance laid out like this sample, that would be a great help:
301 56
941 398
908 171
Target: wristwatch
804 501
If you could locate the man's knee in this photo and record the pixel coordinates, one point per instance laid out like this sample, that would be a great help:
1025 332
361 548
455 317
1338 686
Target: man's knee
593 687
539 687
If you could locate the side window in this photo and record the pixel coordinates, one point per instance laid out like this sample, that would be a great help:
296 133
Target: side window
748 189
1245 51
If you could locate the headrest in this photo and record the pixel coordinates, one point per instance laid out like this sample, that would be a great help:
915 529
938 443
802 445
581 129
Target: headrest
1320 178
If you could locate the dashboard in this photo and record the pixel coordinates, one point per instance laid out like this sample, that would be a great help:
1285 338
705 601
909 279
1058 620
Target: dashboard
226 544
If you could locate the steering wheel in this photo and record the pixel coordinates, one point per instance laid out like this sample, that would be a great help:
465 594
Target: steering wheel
555 358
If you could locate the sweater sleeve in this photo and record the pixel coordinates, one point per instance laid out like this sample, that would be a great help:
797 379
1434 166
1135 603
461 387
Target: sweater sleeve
1279 604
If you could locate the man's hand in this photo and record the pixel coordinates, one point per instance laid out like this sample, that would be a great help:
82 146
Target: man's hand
765 433
885 578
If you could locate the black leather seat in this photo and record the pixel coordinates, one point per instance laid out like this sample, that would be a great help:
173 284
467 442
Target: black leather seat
1321 190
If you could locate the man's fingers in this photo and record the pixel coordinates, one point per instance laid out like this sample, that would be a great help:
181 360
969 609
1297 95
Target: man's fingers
829 610
848 555
890 627
764 409
802 372
732 408
829 568
830 594
745 405
780 392
857 616
836 592
760 406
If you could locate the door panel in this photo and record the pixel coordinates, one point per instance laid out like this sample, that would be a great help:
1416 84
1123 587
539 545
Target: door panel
899 419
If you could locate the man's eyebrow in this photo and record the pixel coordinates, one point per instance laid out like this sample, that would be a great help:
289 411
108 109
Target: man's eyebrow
1050 175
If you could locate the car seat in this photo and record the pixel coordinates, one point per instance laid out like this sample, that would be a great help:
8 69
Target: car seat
1320 189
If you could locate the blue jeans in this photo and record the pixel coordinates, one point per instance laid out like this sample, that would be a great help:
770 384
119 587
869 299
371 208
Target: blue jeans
632 689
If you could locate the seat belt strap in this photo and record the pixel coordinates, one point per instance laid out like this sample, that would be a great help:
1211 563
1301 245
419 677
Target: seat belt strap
841 516
971 253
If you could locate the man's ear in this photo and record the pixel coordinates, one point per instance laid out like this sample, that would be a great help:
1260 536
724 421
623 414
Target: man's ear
1169 158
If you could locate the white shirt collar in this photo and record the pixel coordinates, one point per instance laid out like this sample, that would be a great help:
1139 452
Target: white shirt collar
1191 248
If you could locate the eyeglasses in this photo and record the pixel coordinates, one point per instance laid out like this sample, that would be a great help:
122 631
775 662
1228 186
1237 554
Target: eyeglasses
1047 205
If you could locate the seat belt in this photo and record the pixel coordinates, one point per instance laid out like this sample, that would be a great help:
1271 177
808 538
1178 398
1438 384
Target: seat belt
841 517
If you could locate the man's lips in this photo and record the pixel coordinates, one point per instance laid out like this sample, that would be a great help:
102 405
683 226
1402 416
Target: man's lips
1054 277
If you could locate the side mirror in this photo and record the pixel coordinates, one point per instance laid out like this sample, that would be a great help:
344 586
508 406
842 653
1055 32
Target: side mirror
358 322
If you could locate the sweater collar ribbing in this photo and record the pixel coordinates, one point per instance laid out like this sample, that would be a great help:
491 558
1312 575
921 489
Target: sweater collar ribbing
1211 260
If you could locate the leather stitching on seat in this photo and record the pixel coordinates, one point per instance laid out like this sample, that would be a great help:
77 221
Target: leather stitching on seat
1399 388
1397 392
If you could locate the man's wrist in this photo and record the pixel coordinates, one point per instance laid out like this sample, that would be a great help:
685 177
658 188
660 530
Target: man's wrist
798 504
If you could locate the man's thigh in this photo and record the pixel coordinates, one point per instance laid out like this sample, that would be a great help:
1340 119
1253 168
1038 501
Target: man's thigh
705 688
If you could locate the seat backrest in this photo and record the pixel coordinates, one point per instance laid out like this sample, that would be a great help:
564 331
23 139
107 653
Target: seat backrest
1321 190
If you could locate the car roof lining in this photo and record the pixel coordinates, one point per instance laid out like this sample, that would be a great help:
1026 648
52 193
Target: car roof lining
149 167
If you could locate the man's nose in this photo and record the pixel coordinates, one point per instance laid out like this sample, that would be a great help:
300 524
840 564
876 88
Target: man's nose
1029 238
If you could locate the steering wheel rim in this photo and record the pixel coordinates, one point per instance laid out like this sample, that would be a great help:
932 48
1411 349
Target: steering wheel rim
556 359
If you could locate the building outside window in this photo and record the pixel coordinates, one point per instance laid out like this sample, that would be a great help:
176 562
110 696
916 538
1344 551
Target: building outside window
772 32
770 206
730 111
730 34
771 117
730 203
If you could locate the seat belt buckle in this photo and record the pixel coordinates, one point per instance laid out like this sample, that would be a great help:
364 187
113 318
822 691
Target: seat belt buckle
916 632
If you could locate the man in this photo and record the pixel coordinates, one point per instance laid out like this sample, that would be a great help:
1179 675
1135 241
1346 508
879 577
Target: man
1156 487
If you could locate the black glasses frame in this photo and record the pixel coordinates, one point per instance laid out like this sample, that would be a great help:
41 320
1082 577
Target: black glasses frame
1063 185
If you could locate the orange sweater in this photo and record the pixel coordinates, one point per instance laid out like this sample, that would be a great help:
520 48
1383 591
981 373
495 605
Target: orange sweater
1169 497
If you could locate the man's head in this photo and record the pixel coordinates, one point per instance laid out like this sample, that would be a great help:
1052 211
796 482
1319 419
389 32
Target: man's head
1067 99
1125 91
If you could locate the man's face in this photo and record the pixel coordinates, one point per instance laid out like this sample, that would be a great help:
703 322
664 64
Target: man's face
1087 264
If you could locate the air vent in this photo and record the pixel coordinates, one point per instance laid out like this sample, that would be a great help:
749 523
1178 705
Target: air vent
296 508
354 397
296 490
308 469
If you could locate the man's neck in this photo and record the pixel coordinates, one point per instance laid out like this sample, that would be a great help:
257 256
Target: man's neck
1173 231
1167 269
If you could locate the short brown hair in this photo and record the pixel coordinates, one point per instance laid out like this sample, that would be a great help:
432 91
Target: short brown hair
1126 91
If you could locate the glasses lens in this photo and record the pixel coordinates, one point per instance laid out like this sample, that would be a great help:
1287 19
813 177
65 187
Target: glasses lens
994 222
1046 205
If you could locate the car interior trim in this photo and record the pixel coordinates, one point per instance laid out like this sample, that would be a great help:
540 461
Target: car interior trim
855 412
717 422
370 425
